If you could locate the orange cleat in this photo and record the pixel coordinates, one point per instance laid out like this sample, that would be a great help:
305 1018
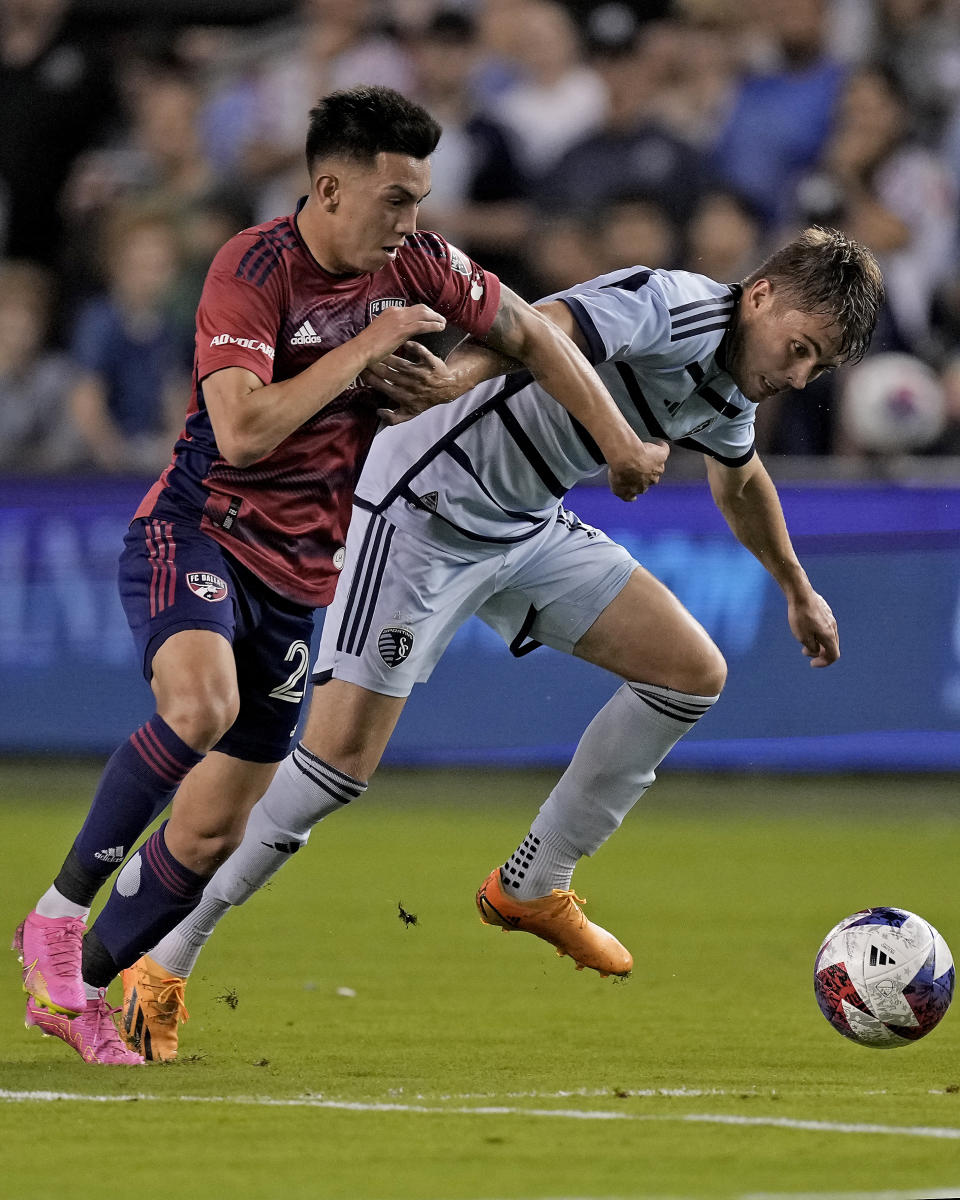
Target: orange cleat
153 1008
559 920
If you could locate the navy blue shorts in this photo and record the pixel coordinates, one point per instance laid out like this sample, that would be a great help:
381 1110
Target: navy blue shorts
174 577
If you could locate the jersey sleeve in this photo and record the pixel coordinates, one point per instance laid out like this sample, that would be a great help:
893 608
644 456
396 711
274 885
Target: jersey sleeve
730 442
621 316
238 320
452 283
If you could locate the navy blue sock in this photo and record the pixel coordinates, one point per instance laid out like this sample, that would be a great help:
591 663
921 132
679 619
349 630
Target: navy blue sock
135 787
151 896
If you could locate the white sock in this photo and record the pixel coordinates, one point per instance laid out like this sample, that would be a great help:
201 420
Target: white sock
544 860
52 904
304 790
179 950
614 763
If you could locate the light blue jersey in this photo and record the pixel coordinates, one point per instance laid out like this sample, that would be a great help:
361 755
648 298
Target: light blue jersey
493 466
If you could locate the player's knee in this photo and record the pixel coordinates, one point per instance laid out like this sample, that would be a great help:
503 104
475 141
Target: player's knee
199 717
215 849
703 670
713 671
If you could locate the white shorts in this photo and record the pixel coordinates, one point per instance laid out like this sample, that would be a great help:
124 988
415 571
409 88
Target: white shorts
401 599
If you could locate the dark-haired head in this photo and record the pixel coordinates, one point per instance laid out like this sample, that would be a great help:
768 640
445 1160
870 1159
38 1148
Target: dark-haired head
362 122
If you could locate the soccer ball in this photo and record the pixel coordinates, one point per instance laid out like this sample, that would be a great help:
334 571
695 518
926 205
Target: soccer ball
883 977
892 404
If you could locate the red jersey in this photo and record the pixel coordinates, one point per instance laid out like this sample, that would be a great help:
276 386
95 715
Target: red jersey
269 306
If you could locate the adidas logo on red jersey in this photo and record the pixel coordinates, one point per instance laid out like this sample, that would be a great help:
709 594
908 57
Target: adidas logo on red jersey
306 335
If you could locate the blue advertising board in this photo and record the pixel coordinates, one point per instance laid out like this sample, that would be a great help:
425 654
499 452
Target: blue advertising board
887 558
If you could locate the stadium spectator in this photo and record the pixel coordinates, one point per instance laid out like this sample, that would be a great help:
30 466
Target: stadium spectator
36 435
328 45
781 116
558 98
478 193
723 236
460 513
127 402
158 158
919 42
699 78
637 229
878 181
241 536
562 250
630 149
56 99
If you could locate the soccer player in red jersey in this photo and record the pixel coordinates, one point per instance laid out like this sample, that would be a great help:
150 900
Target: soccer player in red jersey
242 536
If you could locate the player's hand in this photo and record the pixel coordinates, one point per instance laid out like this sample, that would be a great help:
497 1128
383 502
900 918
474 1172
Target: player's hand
815 628
411 381
394 326
631 476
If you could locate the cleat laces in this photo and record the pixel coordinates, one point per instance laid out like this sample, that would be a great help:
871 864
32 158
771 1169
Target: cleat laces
573 900
64 947
107 1037
164 1000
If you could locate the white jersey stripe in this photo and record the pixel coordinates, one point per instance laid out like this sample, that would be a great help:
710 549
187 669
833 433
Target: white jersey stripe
373 552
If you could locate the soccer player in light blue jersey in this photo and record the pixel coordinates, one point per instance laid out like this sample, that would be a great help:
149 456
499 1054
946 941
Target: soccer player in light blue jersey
460 512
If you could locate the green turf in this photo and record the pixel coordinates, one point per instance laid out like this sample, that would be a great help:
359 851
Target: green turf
723 889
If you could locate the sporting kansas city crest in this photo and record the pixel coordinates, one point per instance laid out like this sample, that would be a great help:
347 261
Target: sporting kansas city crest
206 586
377 306
395 644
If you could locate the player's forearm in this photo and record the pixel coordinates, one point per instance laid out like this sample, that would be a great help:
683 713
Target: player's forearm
266 416
473 362
562 370
756 519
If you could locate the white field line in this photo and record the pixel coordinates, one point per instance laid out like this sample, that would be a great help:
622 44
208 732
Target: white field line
501 1110
913 1194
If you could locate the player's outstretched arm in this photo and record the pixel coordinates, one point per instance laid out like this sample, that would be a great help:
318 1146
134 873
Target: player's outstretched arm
251 418
559 366
545 342
749 502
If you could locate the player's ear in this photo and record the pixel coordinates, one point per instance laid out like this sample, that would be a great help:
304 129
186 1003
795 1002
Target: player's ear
759 294
327 190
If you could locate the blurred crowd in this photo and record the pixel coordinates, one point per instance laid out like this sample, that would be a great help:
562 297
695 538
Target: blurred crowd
578 138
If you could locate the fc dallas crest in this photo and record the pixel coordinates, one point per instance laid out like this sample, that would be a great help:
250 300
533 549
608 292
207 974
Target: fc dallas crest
206 586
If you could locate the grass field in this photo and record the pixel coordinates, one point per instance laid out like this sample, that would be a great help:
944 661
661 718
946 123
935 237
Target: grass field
336 1053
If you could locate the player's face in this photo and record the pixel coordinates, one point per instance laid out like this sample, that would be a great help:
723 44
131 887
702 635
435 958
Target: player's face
376 207
775 347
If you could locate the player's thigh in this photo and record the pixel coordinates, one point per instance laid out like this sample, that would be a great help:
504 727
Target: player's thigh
646 634
194 668
271 650
398 603
557 586
584 594
179 597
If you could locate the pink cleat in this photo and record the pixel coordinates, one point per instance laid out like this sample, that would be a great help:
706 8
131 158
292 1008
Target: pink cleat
50 949
92 1034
